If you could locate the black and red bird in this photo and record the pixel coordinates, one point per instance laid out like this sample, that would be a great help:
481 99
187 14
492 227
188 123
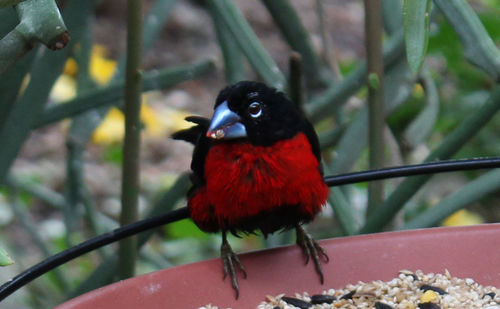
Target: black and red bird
256 166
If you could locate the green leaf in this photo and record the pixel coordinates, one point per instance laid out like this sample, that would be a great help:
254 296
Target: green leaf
479 47
416 24
5 259
392 15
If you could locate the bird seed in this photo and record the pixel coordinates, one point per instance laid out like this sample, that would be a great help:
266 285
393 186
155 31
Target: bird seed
409 290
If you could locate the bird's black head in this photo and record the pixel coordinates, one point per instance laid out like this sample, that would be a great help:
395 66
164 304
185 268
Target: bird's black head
255 112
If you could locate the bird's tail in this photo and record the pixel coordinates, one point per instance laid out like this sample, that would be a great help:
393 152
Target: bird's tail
193 134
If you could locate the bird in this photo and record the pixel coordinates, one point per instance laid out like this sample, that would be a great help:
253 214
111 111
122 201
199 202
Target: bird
256 167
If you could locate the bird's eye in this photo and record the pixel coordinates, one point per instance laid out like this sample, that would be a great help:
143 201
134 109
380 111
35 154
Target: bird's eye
254 109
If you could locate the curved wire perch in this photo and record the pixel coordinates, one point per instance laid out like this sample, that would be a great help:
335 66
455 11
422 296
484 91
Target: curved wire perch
183 213
413 170
99 241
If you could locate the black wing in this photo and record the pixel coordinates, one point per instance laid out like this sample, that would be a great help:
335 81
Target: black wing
308 129
194 133
196 136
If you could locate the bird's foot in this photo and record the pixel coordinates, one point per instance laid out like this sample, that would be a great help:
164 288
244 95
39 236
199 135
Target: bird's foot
229 259
311 249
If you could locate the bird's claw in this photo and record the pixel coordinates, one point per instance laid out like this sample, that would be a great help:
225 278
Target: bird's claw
229 259
311 249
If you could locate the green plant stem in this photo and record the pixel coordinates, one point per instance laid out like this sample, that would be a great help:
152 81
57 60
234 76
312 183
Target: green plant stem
468 194
323 105
398 87
479 47
43 74
104 273
376 108
295 80
297 37
344 213
392 15
249 43
40 21
10 83
231 53
113 93
421 127
131 144
30 227
328 54
6 3
38 191
12 47
452 143
331 137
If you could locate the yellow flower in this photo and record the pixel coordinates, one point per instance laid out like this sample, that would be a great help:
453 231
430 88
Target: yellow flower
64 89
418 91
70 67
101 68
463 217
112 128
157 124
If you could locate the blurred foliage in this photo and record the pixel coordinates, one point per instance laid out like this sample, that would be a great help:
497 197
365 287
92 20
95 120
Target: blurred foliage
444 109
5 259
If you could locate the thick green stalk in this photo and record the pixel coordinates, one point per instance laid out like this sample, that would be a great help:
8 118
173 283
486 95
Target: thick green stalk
10 82
40 21
12 47
376 108
130 177
43 74
452 143
6 3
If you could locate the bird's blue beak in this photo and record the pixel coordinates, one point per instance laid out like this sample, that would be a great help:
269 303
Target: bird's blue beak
225 124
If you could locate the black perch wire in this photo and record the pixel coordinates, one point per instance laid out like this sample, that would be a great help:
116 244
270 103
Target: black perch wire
150 223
